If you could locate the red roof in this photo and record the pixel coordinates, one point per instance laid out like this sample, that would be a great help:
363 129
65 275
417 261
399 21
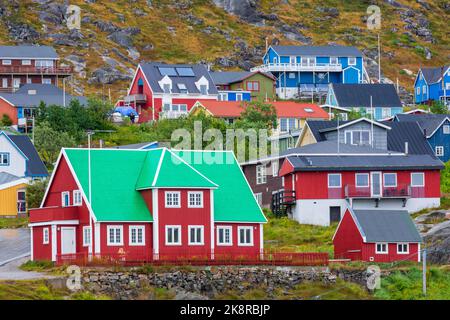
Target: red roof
285 109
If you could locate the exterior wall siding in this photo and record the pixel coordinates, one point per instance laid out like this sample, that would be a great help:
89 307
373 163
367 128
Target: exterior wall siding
348 242
379 134
9 110
8 200
17 162
441 139
235 249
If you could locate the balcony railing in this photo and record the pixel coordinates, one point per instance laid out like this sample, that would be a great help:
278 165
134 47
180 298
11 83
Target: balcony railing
36 70
172 114
290 67
135 98
400 191
53 213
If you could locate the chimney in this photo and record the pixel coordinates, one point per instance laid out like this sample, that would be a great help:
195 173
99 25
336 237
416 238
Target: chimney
406 147
425 133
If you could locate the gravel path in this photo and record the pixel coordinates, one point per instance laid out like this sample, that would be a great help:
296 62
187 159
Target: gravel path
11 271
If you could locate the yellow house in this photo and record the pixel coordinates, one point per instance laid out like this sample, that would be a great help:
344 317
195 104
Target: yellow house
12 195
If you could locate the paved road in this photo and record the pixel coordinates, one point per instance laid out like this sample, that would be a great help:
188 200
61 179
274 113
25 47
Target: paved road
14 243
11 271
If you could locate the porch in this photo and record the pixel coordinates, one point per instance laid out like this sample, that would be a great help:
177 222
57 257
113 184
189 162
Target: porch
48 214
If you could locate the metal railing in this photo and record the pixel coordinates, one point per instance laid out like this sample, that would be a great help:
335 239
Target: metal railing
399 191
305 66
135 98
35 70
53 213
172 114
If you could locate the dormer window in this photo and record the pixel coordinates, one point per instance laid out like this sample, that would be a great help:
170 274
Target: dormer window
202 85
166 84
166 88
204 89
182 88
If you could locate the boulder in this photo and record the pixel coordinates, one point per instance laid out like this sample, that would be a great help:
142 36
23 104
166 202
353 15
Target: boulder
437 240
107 75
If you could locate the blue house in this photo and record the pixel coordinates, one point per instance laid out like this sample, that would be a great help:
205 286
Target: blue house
432 84
307 70
347 97
436 128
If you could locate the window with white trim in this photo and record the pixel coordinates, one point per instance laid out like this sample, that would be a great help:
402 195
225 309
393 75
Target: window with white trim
424 89
203 89
173 235
6 62
385 112
26 62
417 179
351 61
357 137
275 168
195 199
172 199
196 237
333 61
21 201
136 235
86 236
261 177
65 198
224 236
402 248
362 180
439 151
4 159
446 129
239 97
115 235
381 248
418 90
258 197
334 180
245 236
77 199
288 124
223 96
45 236
390 179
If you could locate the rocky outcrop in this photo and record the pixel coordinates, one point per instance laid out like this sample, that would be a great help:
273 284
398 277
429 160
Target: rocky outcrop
107 75
437 240
247 10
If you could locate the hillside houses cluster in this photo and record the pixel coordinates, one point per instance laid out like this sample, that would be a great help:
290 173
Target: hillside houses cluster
367 175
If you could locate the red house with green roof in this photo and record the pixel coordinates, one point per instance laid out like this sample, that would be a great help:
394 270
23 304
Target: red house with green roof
143 205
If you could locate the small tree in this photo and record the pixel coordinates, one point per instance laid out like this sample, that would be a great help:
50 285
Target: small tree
6 121
35 193
439 107
257 115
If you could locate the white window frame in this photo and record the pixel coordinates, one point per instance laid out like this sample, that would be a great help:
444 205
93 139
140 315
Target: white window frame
418 90
384 179
113 244
87 237
386 112
340 180
6 62
275 168
225 244
177 227
21 201
439 151
172 205
239 97
261 174
258 197
137 242
424 89
63 203
240 244
381 252
351 132
423 179
77 198
352 61
194 193
26 62
446 127
403 244
332 62
202 235
356 180
45 235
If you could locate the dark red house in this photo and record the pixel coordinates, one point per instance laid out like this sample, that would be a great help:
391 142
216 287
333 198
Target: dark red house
377 236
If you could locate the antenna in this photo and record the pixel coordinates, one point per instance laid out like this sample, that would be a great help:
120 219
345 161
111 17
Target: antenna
379 59
338 136
371 124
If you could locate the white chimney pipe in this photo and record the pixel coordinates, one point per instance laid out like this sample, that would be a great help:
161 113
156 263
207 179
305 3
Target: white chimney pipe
406 147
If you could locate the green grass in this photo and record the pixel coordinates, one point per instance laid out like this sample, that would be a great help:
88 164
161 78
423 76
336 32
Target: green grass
287 235
29 290
13 223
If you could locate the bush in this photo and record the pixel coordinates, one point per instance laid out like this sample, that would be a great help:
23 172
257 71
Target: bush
35 193
6 121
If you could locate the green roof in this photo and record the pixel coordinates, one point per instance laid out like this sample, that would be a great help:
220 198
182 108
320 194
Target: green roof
118 175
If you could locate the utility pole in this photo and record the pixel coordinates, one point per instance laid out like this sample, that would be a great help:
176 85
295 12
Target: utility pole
90 134
424 272
379 59
371 124
64 92
32 132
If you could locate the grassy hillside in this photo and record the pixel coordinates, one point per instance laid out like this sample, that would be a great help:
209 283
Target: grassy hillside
199 31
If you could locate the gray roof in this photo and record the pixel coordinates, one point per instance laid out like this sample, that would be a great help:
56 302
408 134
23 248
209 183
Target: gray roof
386 226
35 166
153 75
433 75
330 147
135 146
358 95
31 95
228 77
25 51
427 122
340 51
7 178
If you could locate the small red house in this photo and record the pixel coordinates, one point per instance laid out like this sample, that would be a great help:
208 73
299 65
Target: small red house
377 236
161 90
143 205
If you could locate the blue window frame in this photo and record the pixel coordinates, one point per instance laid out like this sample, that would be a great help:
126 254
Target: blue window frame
4 158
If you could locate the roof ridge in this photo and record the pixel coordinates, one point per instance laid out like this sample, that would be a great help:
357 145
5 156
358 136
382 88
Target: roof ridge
161 159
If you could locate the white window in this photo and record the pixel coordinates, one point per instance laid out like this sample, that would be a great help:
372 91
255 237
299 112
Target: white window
86 236
417 179
351 61
261 174
385 112
136 235
173 235
381 248
424 89
43 63
258 197
362 180
195 199
239 97
172 199
333 60
65 198
6 62
390 179
439 151
334 180
115 235
26 62
402 248
292 59
446 129
291 75
245 235
16 83
4 159
45 236
5 83
166 87
196 235
224 236
357 137
223 96
275 168
21 201
418 90
204 89
288 124
46 81
77 199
